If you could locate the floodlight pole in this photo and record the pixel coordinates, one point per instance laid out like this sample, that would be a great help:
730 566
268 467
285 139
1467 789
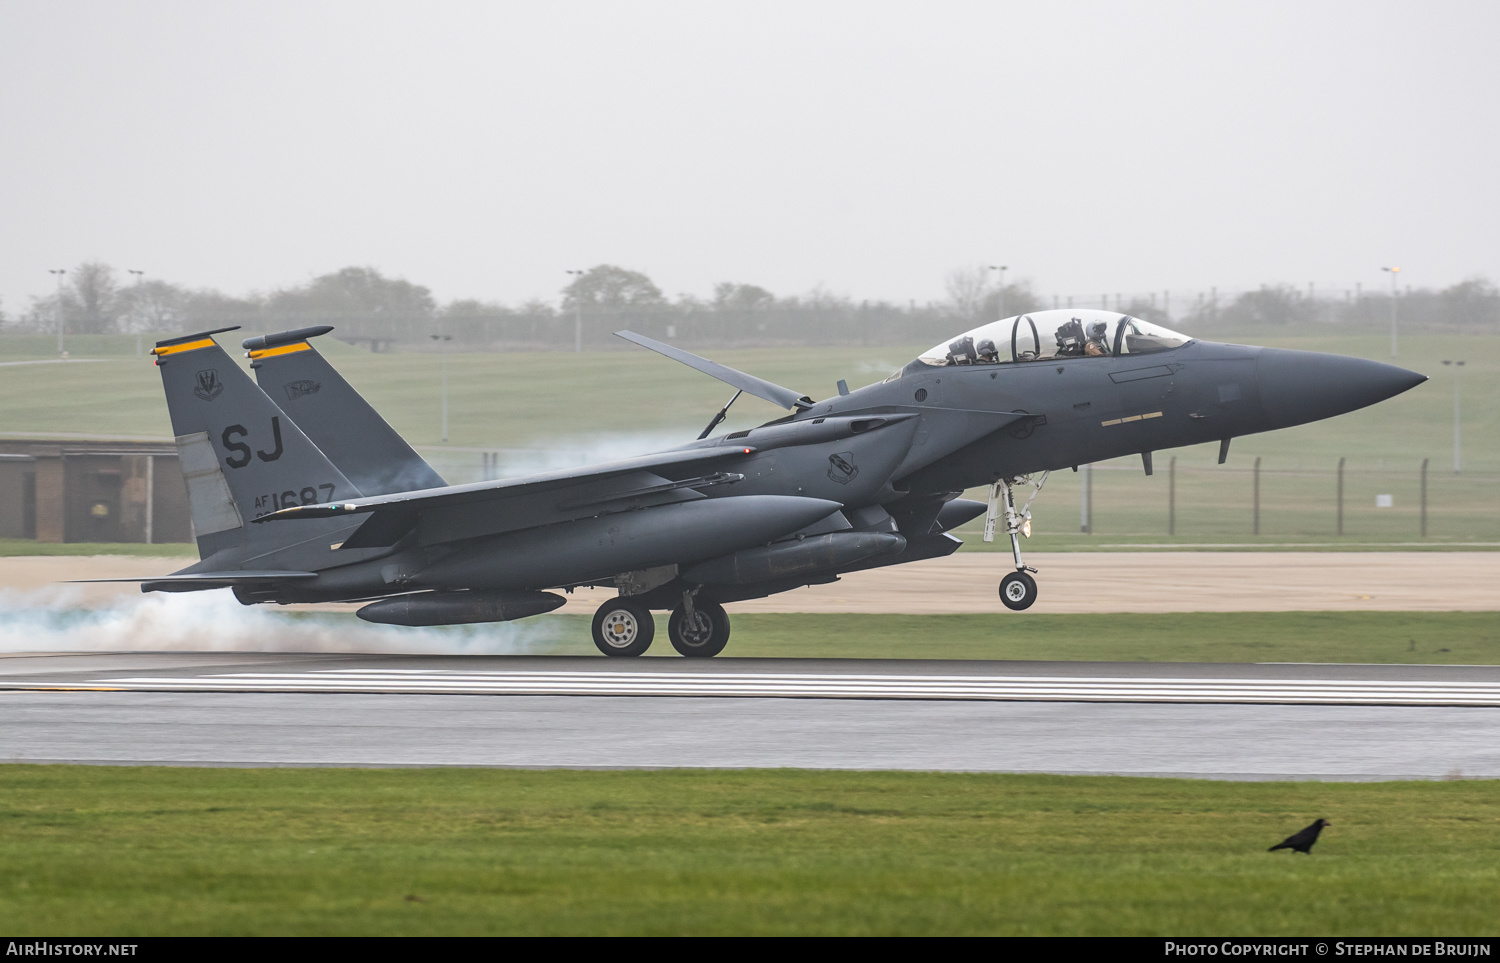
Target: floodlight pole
577 316
1086 500
1341 497
1424 497
1255 514
444 349
1457 381
1393 271
139 347
59 272
1002 269
1172 496
1458 464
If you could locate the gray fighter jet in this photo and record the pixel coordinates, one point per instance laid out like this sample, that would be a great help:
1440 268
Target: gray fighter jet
300 491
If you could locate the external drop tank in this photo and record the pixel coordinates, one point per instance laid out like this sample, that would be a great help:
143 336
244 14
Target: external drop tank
455 608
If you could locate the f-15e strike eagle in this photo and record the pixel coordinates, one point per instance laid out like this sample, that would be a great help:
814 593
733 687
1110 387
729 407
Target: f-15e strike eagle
301 492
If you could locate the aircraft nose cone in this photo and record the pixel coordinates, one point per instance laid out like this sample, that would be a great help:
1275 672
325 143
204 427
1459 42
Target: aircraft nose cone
1301 386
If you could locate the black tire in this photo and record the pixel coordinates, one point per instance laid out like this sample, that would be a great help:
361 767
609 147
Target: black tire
708 634
1018 591
623 627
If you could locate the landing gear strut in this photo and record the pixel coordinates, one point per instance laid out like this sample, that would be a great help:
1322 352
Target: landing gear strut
698 628
1018 589
623 627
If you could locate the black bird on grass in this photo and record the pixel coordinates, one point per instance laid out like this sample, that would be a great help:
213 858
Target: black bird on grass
1302 841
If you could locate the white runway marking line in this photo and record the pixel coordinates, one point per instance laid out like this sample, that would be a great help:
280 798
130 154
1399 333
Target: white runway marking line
837 686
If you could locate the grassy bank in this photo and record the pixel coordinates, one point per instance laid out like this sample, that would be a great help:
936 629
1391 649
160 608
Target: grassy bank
20 547
128 851
1396 637
1453 638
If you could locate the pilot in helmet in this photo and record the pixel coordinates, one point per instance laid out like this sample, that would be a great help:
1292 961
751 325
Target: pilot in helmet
987 352
1097 345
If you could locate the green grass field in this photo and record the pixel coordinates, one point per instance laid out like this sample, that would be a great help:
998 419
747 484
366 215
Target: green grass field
548 410
140 851
1459 638
20 547
1452 638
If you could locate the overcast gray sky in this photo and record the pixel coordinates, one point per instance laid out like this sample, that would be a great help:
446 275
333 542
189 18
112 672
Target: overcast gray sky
869 147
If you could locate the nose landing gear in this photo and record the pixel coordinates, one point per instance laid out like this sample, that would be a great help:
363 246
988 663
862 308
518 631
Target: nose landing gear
1018 589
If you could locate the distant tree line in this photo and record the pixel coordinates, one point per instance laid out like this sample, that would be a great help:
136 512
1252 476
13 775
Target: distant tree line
1471 306
366 307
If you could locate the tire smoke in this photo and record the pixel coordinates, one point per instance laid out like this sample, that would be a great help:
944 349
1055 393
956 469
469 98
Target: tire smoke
55 620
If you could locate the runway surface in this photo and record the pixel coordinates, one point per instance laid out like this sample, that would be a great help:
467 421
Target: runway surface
1313 685
1218 721
1070 582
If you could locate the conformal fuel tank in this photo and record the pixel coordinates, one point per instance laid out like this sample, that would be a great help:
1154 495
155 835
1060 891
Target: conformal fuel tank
820 553
599 548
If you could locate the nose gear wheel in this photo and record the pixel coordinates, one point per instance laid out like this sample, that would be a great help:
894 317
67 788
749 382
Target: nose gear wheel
1018 591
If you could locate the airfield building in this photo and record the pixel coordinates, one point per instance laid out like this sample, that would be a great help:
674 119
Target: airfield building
92 490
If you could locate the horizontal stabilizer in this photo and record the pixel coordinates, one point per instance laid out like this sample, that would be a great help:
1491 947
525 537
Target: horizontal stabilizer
759 387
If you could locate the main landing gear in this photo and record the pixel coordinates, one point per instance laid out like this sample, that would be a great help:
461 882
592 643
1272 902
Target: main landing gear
698 628
623 627
1018 589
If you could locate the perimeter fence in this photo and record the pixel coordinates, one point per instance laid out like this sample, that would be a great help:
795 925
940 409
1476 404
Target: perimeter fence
1268 497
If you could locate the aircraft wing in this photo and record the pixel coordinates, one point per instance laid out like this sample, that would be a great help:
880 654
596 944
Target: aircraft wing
488 508
748 383
197 578
204 581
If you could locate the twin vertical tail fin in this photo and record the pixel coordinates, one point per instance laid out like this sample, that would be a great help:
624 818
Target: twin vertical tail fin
335 416
241 456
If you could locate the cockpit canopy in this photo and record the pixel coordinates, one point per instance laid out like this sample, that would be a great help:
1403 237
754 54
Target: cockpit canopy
1047 335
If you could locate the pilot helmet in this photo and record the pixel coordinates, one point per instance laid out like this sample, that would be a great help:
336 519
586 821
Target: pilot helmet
1097 329
986 347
